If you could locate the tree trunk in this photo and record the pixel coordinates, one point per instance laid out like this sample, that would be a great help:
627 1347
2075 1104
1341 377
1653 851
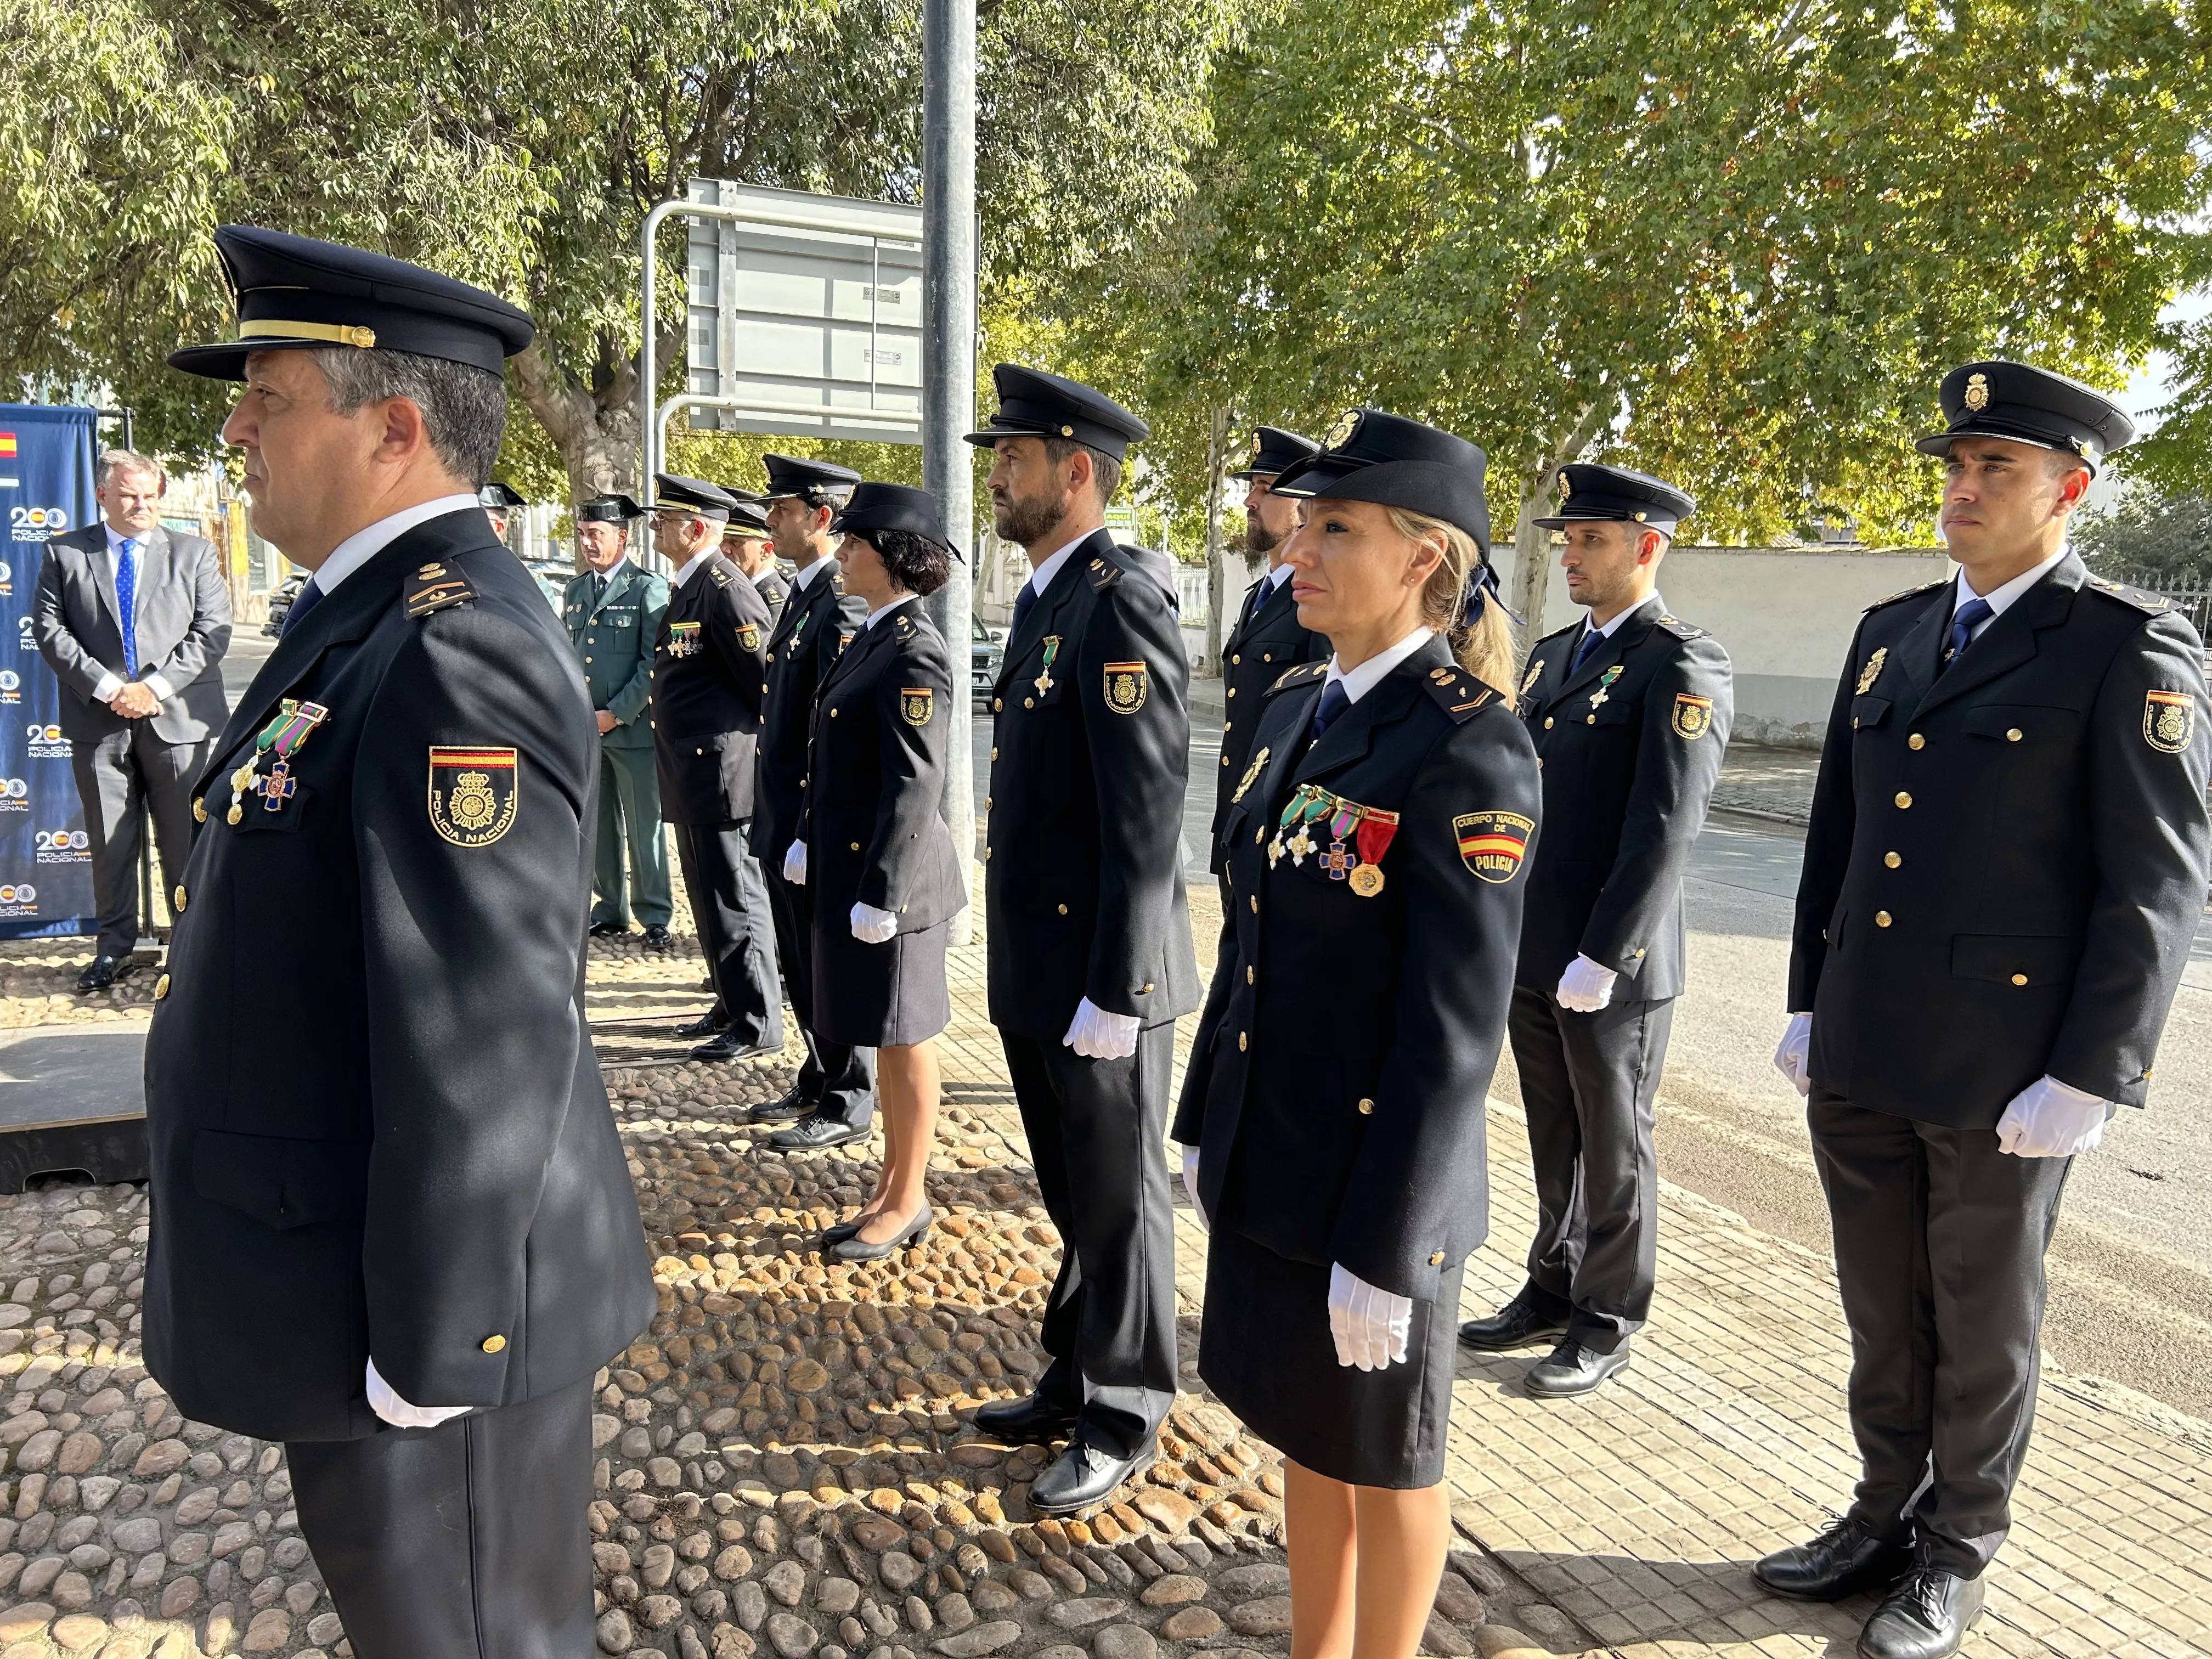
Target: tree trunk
1532 543
594 427
1217 568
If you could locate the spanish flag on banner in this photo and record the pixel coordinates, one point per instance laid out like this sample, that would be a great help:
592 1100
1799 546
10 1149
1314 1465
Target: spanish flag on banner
7 445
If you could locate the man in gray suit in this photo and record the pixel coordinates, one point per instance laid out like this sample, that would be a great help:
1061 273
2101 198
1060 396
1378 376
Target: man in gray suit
142 704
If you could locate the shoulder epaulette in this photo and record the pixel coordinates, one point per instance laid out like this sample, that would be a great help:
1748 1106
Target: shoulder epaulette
436 586
1105 573
723 576
1681 629
1458 693
1907 592
2141 598
1304 672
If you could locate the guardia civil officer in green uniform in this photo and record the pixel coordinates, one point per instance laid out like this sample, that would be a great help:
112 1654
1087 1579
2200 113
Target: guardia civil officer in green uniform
1268 637
393 1228
1091 958
709 674
834 1098
613 612
1332 1115
499 501
1630 710
2007 860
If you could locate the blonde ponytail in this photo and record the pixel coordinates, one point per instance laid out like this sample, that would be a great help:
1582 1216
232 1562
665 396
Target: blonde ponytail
1484 648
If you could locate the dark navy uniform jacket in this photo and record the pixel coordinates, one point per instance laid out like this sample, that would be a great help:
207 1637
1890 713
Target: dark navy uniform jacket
1631 745
2006 864
773 591
708 679
872 825
1089 765
810 632
1253 658
1336 1086
375 1120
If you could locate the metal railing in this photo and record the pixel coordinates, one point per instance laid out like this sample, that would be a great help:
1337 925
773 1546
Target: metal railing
2190 595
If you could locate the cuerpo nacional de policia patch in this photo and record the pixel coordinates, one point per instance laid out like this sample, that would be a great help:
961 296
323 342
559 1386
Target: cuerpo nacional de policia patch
1492 844
1126 685
2168 719
917 703
474 794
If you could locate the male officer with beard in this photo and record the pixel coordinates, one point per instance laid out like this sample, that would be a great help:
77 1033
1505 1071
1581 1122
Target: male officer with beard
1091 958
393 1224
834 1096
2006 863
1629 710
1267 639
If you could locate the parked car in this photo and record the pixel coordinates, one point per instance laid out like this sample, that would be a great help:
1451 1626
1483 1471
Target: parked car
280 603
988 647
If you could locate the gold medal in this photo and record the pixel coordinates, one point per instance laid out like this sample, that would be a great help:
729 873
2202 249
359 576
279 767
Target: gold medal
235 813
242 780
1367 880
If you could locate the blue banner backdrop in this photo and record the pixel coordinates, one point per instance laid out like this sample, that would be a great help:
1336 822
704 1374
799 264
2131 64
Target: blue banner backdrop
46 488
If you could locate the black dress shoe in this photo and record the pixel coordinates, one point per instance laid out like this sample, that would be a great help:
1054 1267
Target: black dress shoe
1031 1420
712 1022
1849 1557
1926 1617
814 1132
609 929
841 1232
857 1249
730 1046
656 937
1571 1369
1521 1323
99 974
783 1109
1084 1477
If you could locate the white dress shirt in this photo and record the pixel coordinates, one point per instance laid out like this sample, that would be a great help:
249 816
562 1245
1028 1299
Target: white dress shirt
878 614
358 549
1041 578
2003 599
805 574
1614 626
687 569
111 682
1360 681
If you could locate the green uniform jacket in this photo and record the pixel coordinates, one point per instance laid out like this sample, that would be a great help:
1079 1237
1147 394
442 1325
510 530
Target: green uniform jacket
613 646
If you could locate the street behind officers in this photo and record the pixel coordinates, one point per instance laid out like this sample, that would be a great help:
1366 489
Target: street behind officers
1331 1116
707 678
1091 958
834 1097
1630 711
393 1226
1268 637
872 849
2007 860
613 612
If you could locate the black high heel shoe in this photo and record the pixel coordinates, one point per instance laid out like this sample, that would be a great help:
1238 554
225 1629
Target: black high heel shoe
850 1248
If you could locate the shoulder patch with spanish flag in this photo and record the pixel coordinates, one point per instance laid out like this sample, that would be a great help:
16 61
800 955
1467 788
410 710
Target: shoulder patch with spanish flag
1492 844
2168 719
1126 685
917 703
1693 715
473 794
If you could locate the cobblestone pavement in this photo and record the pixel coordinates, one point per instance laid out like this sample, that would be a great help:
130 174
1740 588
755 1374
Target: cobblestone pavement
1768 783
784 1467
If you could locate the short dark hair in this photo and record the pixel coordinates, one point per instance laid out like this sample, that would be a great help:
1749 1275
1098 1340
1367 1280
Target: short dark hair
464 408
915 562
1107 468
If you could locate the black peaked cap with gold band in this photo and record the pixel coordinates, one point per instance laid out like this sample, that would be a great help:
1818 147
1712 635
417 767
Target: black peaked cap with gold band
1373 456
792 475
1276 449
894 507
1033 403
748 510
696 497
2028 406
1589 490
609 509
295 294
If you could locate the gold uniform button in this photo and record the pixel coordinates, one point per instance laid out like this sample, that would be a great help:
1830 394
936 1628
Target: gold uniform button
1892 860
1881 918
997 703
1232 690
986 803
2020 979
994 751
1590 720
1148 989
1259 834
1437 1260
180 899
1916 741
494 1344
587 662
856 846
1237 659
161 988
1255 904
199 809
1267 656
1227 724
1063 909
1904 798
987 855
1242 1043
1248 975
2013 734
833 714
1547 722
1029 702
235 813
1366 1109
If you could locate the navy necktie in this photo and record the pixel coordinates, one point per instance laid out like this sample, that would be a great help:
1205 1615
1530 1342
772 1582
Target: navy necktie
126 601
309 597
1023 601
1971 614
1591 640
1334 700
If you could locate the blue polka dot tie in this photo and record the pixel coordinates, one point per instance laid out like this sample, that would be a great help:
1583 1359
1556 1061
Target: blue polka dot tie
126 601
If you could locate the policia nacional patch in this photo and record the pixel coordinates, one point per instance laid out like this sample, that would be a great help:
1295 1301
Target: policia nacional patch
1492 844
474 794
917 703
1693 715
2168 719
1126 685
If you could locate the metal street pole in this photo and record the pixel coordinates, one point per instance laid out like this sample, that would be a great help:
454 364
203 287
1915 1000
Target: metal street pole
948 375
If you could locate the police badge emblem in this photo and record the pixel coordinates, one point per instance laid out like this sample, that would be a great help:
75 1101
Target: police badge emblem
1535 669
1341 434
1251 776
748 638
1978 391
474 794
1871 671
2169 717
917 703
1492 844
1693 715
1126 685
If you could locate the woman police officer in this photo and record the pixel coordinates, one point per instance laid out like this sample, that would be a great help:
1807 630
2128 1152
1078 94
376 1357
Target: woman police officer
871 842
1331 1116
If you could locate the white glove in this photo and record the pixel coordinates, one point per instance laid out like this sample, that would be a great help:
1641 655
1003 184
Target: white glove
1587 985
1789 1057
870 925
1371 1324
2051 1119
401 1415
794 864
1190 1185
1097 1035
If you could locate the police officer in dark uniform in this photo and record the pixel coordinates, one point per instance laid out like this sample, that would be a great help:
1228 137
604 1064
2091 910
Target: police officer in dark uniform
613 612
394 1229
2007 860
1091 958
747 544
1630 712
499 503
1269 636
834 1098
709 674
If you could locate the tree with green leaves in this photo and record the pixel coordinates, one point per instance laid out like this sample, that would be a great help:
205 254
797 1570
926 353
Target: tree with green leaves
2145 537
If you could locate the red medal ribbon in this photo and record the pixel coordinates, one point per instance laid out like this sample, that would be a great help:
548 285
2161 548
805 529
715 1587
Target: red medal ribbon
1376 828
